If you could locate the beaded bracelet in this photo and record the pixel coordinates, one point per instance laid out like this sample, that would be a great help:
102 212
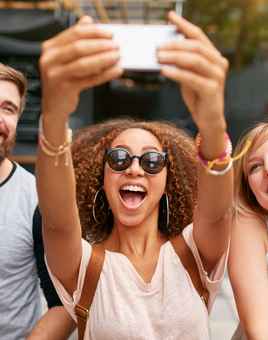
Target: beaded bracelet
53 150
221 172
224 158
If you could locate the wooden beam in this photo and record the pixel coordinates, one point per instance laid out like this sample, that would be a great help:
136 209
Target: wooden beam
101 11
24 159
46 5
124 10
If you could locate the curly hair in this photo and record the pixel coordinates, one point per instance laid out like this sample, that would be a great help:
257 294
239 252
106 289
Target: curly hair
88 152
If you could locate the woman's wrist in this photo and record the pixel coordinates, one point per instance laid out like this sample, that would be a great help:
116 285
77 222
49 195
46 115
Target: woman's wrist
54 125
215 158
55 138
212 143
54 116
212 129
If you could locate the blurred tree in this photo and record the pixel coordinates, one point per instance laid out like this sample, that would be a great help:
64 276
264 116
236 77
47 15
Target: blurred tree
237 27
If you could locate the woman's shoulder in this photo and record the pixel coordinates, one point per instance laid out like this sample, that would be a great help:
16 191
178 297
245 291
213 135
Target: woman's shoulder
251 221
251 226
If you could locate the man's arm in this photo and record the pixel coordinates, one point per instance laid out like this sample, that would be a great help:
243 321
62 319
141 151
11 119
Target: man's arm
46 284
56 323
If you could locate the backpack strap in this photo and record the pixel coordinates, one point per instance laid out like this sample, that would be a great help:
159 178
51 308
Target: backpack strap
92 276
188 261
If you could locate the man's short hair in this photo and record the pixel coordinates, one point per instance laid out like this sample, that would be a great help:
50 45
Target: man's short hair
8 73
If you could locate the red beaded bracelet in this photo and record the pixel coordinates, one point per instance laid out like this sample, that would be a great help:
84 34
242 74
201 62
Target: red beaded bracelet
224 158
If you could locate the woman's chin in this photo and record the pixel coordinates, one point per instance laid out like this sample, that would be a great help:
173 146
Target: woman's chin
130 221
263 201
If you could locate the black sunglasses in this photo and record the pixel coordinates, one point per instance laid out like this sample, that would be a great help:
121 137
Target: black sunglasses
152 162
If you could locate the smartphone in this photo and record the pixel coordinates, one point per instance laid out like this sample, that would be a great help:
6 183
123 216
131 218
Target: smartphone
138 44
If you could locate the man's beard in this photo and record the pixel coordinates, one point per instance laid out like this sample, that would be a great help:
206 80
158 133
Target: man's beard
5 148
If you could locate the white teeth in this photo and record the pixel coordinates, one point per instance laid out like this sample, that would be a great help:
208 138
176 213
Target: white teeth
136 188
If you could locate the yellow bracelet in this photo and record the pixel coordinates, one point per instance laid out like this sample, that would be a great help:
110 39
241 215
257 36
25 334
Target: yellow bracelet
221 172
50 153
224 158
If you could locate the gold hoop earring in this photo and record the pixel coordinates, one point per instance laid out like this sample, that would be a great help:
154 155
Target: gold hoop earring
101 200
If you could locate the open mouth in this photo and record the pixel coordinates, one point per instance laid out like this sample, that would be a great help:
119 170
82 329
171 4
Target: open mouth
132 196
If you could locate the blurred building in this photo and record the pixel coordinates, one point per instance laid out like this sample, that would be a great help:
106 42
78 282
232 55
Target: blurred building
238 28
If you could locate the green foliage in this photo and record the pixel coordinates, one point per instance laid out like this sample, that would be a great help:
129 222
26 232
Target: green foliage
239 28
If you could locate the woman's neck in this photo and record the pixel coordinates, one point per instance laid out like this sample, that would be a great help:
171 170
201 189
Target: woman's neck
136 240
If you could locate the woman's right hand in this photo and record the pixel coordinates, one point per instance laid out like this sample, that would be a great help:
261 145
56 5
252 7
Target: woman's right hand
80 57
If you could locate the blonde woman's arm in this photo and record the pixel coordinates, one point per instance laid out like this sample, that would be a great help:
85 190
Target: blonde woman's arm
249 276
78 58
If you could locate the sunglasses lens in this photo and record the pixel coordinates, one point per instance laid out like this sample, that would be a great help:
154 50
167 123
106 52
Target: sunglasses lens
118 159
153 162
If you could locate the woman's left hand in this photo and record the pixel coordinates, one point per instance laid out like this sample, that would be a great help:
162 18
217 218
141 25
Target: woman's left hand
200 70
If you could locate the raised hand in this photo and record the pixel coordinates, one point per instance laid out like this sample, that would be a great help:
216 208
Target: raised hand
78 58
200 70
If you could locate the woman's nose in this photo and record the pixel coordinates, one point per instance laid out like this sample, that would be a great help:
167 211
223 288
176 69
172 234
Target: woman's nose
135 169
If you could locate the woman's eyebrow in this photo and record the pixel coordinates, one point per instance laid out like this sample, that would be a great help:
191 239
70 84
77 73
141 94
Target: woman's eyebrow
121 146
254 159
145 148
150 147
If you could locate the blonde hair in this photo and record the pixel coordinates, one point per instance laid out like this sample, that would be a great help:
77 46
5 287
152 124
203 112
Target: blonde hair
245 201
8 73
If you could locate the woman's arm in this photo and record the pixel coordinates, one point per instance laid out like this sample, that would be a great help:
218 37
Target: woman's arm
249 276
212 216
201 71
78 58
